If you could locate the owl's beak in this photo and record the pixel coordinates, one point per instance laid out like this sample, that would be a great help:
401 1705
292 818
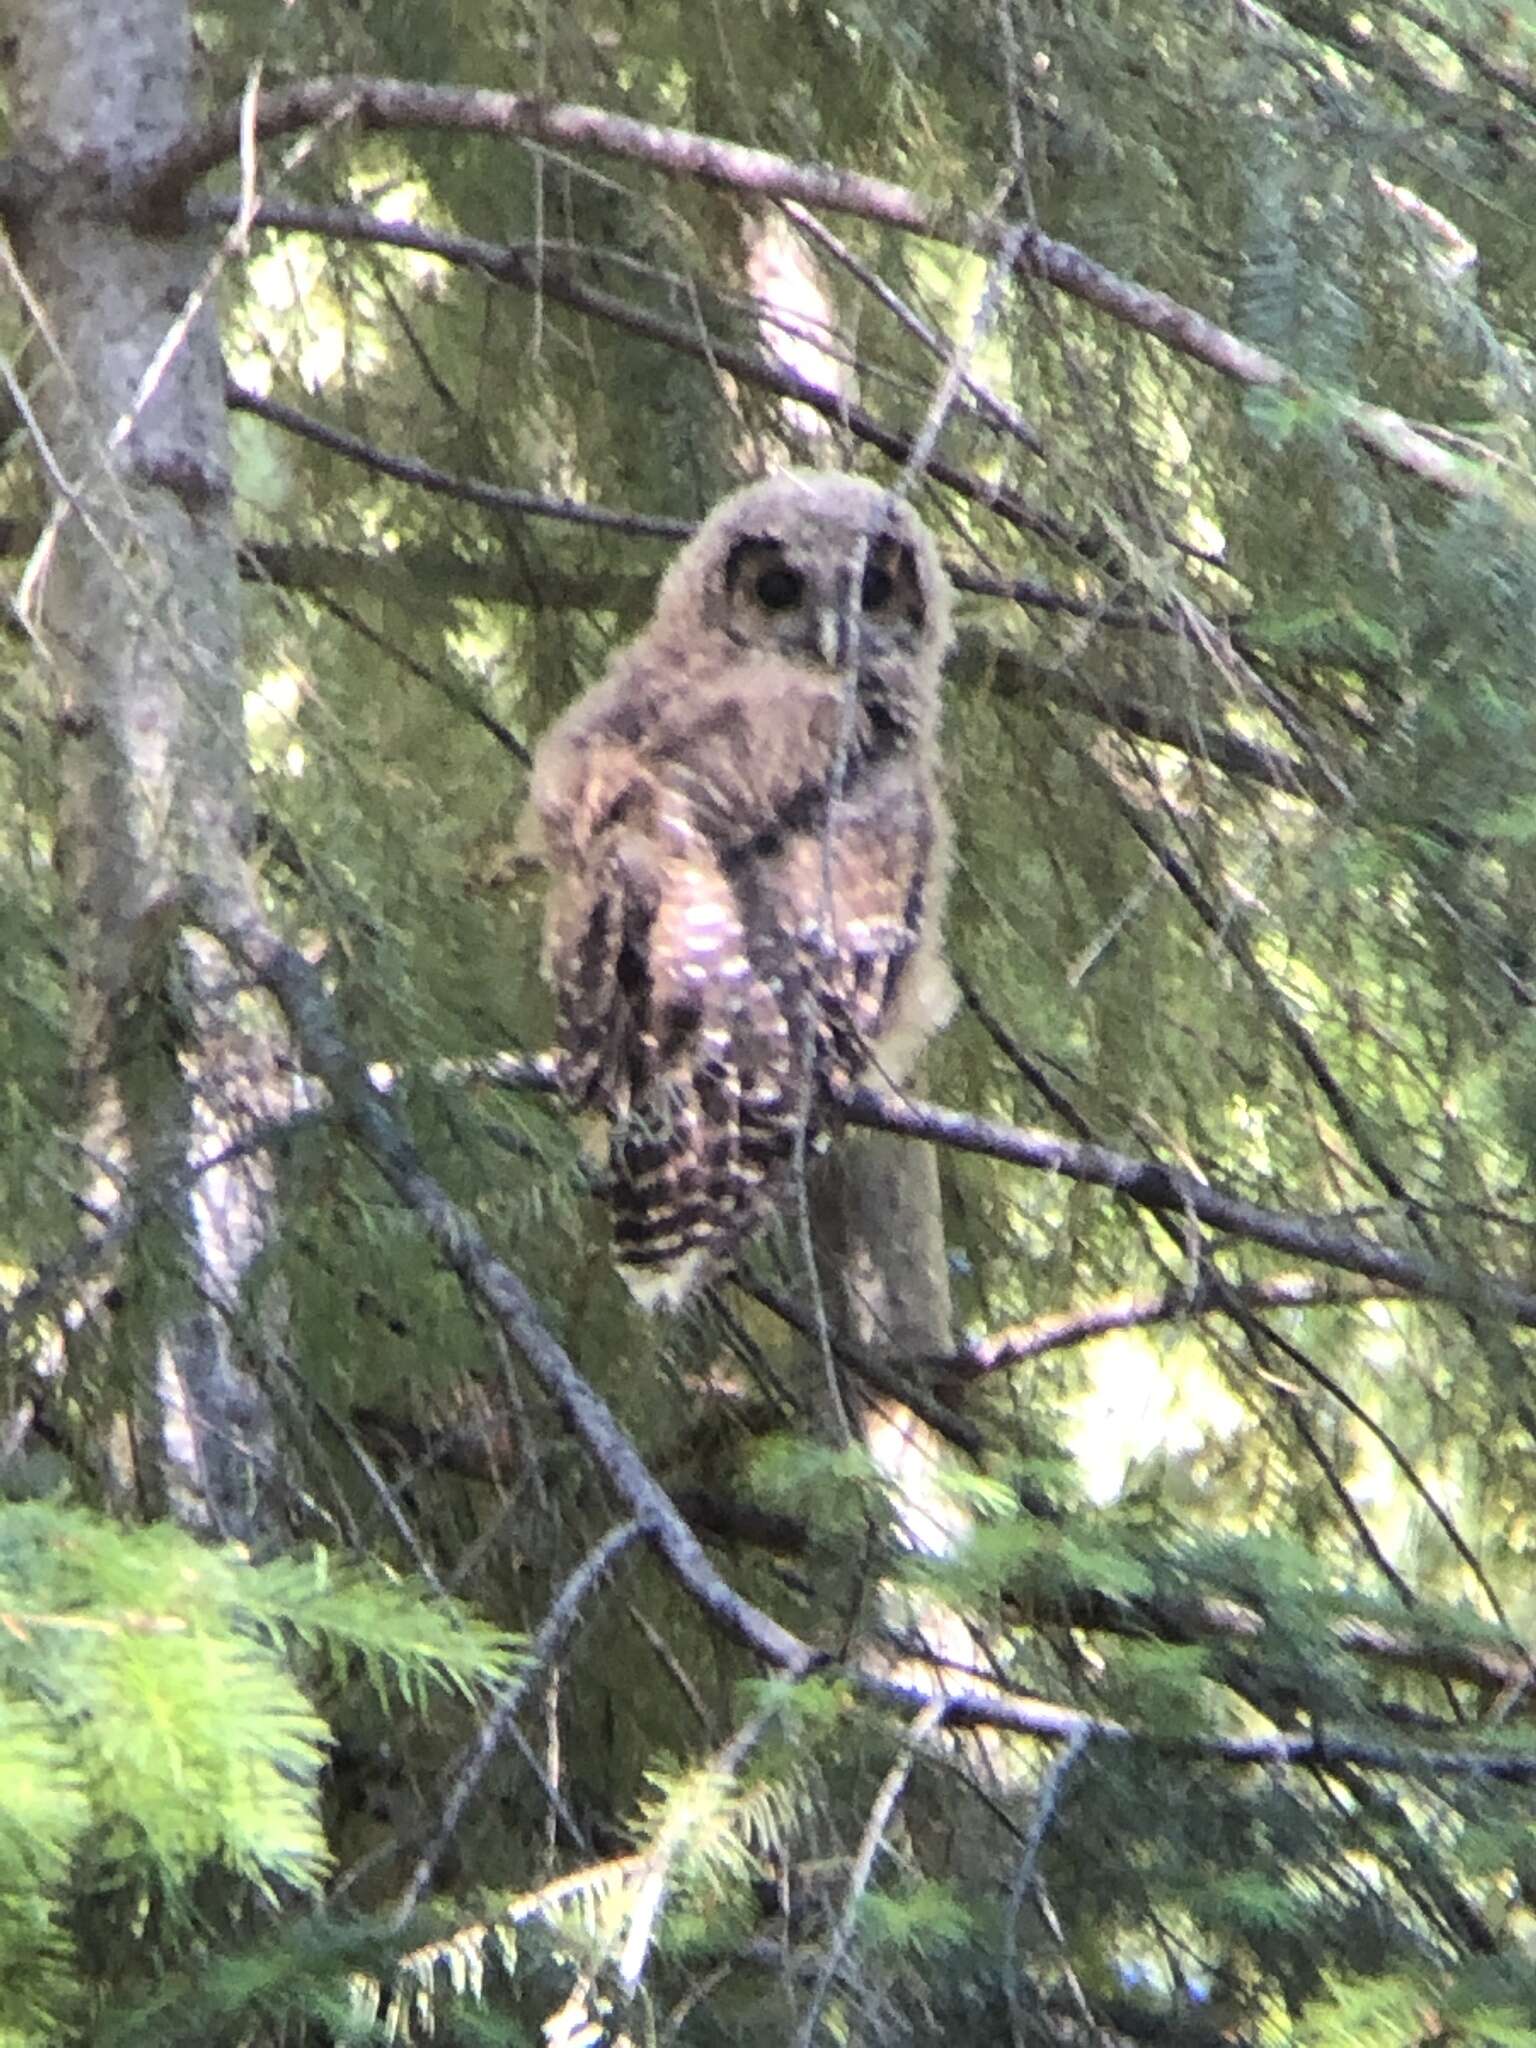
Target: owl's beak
832 636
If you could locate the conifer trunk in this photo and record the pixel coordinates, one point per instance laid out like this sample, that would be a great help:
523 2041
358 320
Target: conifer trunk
134 598
879 1226
878 1216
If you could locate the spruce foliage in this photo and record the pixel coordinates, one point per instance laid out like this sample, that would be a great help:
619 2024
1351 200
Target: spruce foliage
163 1750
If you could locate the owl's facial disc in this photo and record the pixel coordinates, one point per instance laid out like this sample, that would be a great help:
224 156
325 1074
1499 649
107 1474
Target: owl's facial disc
811 610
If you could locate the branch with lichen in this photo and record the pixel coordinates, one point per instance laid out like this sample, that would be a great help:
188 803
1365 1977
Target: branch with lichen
372 104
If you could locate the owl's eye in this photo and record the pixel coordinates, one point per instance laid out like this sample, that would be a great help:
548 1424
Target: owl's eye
876 589
780 589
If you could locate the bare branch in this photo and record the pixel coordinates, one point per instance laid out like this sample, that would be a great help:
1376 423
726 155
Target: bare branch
322 570
1006 416
301 994
1209 741
407 469
515 266
1324 1240
542 1651
1049 1722
871 1841
1228 928
375 103
461 695
302 566
1059 1332
1168 1189
876 1372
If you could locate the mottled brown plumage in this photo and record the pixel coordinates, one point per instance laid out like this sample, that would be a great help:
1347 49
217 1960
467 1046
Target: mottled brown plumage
747 850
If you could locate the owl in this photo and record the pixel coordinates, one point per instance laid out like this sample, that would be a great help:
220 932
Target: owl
747 852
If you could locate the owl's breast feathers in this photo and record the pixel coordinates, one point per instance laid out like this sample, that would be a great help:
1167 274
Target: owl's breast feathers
741 897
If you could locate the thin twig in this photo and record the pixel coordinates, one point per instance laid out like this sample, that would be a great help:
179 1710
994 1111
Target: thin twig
1067 1328
542 1651
656 1868
1047 1800
408 469
1005 415
891 1788
883 1374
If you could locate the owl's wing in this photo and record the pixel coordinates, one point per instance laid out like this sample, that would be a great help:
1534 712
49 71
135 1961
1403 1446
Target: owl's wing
860 895
673 1020
584 798
718 1083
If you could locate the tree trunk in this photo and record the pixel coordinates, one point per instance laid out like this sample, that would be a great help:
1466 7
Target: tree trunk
878 1218
133 595
879 1226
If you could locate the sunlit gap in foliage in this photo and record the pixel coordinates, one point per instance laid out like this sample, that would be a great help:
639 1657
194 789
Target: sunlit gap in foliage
797 318
272 706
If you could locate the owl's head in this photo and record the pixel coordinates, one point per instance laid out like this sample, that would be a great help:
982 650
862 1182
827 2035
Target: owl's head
820 568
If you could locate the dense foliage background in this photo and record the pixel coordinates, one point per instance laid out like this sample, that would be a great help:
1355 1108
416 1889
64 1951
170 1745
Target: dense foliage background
1148 1659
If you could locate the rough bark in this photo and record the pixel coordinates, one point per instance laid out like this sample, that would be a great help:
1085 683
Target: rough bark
879 1229
133 595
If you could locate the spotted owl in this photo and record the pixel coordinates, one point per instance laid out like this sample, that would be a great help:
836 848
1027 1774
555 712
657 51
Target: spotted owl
747 853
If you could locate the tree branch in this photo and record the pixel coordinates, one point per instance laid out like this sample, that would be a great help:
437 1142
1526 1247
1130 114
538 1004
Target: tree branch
1208 741
1061 1331
375 103
1008 417
407 469
320 570
597 593
1171 1617
548 279
1050 1722
1168 1189
881 1374
1164 1189
301 995
310 1014
545 1647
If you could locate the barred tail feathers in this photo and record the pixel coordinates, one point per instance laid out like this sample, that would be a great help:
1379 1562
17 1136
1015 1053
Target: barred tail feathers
705 1137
